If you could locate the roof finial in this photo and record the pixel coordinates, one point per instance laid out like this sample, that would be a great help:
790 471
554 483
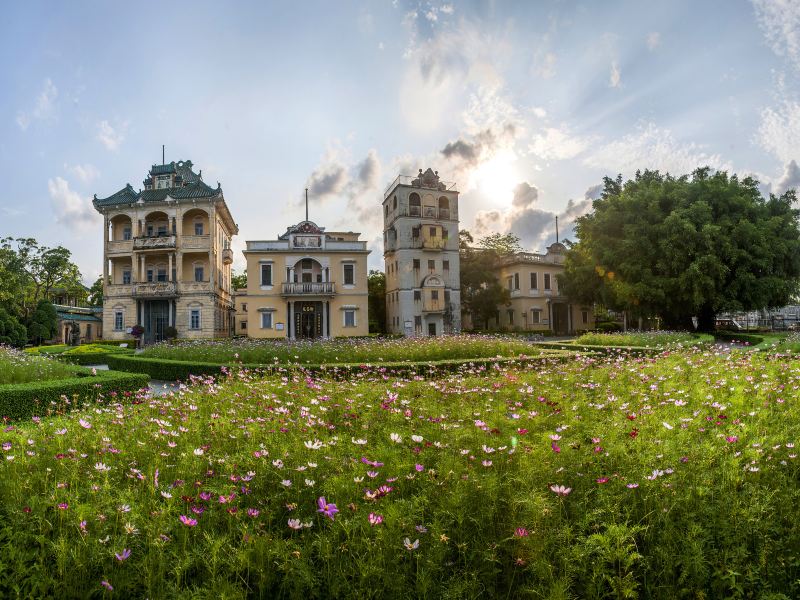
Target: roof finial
306 204
556 229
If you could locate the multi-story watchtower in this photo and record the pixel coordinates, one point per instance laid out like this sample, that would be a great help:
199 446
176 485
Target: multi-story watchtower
420 240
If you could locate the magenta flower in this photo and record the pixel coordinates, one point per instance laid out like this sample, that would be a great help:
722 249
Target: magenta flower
419 468
188 521
107 585
63 505
253 512
326 509
731 439
520 532
375 519
555 447
125 554
602 480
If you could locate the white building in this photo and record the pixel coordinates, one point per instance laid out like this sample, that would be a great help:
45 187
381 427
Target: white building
420 240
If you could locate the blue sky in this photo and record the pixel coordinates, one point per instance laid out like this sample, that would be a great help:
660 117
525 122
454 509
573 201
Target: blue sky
525 105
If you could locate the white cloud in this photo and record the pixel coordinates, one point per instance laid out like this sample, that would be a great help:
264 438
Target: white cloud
780 22
109 136
544 64
44 108
86 173
779 130
652 148
653 40
558 144
615 76
447 9
790 179
71 210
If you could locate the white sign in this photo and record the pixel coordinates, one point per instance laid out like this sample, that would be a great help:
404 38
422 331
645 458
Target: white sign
129 330
278 326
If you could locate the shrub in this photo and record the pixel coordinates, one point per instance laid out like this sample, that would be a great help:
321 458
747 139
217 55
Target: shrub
12 332
44 323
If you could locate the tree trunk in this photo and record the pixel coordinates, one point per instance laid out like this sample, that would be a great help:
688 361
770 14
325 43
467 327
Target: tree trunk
706 319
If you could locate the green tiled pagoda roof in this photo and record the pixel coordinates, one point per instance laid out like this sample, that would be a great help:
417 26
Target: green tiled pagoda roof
63 316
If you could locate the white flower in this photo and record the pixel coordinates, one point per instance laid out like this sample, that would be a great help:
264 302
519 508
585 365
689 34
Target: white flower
315 445
395 437
166 495
359 442
295 524
667 425
310 482
411 545
101 467
198 452
286 482
417 438
277 463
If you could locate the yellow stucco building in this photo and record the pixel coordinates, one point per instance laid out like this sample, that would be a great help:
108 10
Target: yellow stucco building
167 257
308 283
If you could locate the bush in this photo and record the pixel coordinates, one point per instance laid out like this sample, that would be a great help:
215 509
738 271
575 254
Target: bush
12 332
607 327
24 400
736 336
44 323
92 354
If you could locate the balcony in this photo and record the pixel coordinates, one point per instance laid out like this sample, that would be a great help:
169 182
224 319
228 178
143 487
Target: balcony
116 290
154 243
196 242
119 246
160 289
429 212
326 288
227 256
195 286
429 243
433 306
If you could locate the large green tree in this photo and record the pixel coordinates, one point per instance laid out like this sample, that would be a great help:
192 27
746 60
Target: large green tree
12 332
43 324
376 285
95 296
239 280
683 247
481 292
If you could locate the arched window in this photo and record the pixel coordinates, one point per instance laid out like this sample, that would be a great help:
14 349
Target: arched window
414 204
444 208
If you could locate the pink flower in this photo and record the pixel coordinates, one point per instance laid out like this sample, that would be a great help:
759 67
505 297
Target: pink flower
188 521
375 519
602 480
63 505
253 512
555 447
107 585
329 510
125 554
520 532
419 468
85 424
560 490
731 439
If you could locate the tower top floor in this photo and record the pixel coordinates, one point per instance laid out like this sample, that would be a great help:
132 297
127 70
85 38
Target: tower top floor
425 196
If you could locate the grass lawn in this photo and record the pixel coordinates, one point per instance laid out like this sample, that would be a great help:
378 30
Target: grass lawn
642 339
595 478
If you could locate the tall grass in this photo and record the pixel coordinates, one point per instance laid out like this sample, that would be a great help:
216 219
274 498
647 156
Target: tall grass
250 351
19 367
667 477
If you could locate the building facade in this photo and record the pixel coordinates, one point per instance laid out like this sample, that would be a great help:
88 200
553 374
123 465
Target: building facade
536 303
167 257
307 284
420 240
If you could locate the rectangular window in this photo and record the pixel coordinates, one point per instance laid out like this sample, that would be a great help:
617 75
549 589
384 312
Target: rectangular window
516 281
432 232
435 295
445 265
162 274
266 274
536 316
417 295
266 320
447 296
198 274
150 275
349 274
547 281
418 323
510 317
534 281
126 234
198 228
416 264
415 232
194 319
243 325
349 318
149 231
244 307
445 234
510 283
126 277
584 316
162 230
431 265
306 264
118 321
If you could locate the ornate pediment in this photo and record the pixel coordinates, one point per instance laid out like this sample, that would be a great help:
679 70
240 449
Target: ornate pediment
306 227
429 179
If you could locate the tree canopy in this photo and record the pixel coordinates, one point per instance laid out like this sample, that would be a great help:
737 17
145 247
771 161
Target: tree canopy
239 280
679 247
376 284
481 291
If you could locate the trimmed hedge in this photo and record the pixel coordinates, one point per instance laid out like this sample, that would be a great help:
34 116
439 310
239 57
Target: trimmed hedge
24 400
735 336
179 370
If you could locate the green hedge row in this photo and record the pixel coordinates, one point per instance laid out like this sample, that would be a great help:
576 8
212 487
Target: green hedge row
91 358
178 370
735 336
24 400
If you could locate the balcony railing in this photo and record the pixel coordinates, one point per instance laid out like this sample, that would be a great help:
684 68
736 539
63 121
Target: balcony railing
160 289
325 288
429 244
196 242
433 306
116 290
429 212
409 179
154 243
120 246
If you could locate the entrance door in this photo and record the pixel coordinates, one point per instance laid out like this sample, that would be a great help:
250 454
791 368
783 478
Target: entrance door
308 320
560 319
156 316
431 328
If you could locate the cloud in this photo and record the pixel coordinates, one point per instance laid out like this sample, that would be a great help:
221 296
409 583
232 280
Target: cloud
652 148
653 40
368 172
534 226
558 144
70 209
544 64
328 179
110 137
780 23
86 173
779 130
615 76
790 179
594 192
44 108
465 154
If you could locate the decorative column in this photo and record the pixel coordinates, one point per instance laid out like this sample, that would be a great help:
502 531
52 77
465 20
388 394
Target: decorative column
171 311
290 324
325 319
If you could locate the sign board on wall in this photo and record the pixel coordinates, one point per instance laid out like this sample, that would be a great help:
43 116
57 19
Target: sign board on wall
278 326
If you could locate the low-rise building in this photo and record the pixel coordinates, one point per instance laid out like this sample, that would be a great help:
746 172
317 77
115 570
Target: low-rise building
308 283
536 304
167 257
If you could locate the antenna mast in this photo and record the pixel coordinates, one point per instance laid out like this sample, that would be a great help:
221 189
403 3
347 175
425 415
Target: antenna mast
162 155
556 229
306 204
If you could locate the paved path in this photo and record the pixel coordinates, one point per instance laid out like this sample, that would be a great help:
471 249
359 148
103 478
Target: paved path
157 387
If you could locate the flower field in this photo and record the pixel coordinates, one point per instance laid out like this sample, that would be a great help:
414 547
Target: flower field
642 338
674 476
19 367
342 350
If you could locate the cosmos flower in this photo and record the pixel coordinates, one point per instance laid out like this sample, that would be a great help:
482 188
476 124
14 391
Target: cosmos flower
409 545
396 438
107 585
329 510
188 521
375 519
520 532
124 555
560 490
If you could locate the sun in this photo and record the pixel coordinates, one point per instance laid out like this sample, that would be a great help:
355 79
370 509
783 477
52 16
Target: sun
498 175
